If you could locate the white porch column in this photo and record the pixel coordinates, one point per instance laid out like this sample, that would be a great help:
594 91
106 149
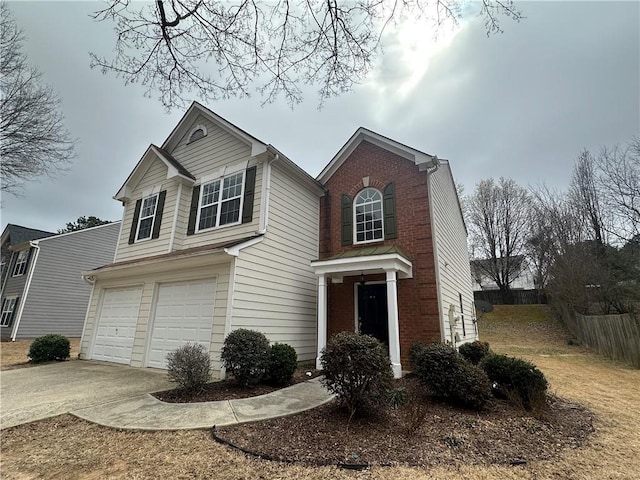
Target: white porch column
322 317
394 328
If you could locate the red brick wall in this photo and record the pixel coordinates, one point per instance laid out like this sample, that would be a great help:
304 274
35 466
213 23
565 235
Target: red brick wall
417 297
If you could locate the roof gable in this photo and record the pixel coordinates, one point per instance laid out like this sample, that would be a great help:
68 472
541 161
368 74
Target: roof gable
186 123
174 169
17 234
423 160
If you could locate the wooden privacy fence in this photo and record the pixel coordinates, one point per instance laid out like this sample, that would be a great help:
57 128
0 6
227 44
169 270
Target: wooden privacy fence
520 297
614 336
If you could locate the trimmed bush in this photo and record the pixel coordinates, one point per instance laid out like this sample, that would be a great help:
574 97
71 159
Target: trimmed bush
49 347
283 361
517 380
450 377
245 354
189 366
474 352
357 369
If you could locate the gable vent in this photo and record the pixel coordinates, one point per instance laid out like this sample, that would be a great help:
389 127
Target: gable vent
197 133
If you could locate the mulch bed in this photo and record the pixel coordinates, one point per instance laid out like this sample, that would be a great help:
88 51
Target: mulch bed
229 390
501 434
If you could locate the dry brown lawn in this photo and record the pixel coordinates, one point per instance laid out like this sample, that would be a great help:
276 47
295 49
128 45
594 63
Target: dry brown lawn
67 448
14 354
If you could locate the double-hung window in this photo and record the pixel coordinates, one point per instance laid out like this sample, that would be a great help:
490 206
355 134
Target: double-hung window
368 216
221 202
147 215
21 263
8 308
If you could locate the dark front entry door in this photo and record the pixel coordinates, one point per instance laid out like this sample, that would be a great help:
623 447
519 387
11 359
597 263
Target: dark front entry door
372 311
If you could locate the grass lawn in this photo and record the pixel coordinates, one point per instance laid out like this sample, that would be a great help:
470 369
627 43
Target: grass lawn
14 354
67 448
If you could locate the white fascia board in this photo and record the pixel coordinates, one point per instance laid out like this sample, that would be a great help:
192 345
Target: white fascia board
257 147
411 154
368 264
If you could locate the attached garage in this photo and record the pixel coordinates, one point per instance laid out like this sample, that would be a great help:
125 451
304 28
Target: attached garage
183 313
117 324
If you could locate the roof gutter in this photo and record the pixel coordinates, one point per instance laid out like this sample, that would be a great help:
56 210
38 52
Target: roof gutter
25 291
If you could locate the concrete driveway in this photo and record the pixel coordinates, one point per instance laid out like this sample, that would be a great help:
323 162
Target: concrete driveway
34 393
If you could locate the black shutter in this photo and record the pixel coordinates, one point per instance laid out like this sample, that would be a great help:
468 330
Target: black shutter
134 225
158 217
249 193
389 207
193 211
26 265
347 220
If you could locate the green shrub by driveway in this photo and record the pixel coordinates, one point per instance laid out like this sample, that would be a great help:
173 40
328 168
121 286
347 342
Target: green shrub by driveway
245 354
49 347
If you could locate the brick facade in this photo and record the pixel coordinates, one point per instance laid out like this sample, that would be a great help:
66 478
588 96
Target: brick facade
417 296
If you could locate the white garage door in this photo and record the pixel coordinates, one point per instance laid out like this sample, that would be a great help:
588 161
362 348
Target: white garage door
117 325
184 313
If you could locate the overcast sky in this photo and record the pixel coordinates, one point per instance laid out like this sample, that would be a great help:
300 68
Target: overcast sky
521 104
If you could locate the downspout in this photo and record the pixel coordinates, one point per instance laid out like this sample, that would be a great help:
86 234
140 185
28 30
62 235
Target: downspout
115 252
430 171
90 279
229 314
266 193
25 292
175 218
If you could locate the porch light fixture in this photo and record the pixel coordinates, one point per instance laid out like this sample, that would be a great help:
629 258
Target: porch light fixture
361 279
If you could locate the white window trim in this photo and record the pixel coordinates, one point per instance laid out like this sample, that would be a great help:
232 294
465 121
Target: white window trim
355 216
153 218
221 180
193 130
13 300
18 262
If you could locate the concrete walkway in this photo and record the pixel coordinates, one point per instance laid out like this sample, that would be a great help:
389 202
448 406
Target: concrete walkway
145 412
118 396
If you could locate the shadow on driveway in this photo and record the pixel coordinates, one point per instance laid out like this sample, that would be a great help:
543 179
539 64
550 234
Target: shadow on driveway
29 394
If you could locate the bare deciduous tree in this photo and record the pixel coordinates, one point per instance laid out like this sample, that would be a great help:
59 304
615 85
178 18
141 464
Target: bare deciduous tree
619 184
586 199
33 138
275 47
498 214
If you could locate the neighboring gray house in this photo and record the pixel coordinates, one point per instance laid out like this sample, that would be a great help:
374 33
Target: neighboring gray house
42 288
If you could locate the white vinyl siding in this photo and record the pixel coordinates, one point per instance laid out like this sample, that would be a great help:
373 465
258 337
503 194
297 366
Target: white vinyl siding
211 154
155 177
454 279
275 290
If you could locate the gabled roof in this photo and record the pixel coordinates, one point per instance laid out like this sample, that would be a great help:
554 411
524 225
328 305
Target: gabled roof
363 134
17 234
174 169
185 123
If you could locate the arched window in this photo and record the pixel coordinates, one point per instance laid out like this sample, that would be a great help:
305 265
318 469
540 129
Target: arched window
368 216
197 133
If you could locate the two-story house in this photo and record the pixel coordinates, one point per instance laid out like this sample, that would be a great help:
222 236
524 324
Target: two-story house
221 231
393 251
218 233
42 287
